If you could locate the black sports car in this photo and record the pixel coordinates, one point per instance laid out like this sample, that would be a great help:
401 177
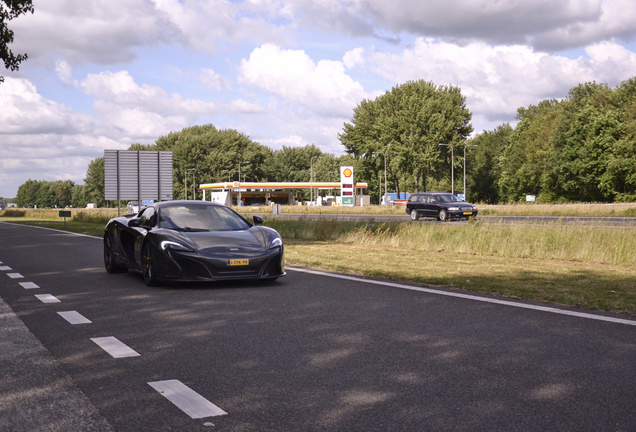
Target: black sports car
192 241
441 205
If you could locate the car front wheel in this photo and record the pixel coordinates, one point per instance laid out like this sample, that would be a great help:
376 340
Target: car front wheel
110 261
149 267
414 215
443 215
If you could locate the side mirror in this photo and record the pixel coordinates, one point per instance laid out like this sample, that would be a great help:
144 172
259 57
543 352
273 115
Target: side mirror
134 223
257 220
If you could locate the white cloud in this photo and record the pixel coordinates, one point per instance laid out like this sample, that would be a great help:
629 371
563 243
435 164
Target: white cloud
97 31
321 87
24 110
612 62
499 79
141 111
211 80
244 107
64 72
354 58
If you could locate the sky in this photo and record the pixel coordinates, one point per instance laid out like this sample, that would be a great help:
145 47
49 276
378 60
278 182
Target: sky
105 74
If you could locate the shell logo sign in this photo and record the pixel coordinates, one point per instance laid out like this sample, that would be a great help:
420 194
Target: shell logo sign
346 186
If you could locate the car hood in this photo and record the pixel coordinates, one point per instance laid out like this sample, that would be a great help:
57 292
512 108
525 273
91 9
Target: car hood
215 241
460 204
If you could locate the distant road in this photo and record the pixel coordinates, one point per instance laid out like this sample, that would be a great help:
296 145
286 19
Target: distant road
580 220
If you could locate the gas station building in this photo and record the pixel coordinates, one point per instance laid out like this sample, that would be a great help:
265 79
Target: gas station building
266 193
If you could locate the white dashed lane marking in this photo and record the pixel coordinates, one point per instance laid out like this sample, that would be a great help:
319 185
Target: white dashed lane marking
28 285
186 399
47 298
115 347
4 268
15 275
74 317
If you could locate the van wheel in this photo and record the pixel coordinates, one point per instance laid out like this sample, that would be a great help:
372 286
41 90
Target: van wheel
414 215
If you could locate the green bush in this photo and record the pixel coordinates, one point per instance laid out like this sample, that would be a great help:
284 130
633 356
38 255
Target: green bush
13 213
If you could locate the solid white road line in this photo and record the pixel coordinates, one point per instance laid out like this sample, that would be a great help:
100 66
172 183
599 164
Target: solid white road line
4 268
47 298
74 317
470 297
15 275
186 399
115 347
28 285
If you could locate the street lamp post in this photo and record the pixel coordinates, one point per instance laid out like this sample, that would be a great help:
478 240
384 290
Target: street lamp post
311 178
471 145
239 181
386 191
229 174
452 167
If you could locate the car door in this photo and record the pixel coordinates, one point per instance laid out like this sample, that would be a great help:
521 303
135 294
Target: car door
147 220
412 203
430 206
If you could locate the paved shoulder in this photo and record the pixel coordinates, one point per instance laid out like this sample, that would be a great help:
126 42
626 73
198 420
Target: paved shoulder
35 394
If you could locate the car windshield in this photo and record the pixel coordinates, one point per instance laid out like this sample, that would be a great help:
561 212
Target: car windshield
447 198
197 217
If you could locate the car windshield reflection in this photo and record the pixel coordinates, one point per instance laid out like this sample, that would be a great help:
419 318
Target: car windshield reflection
447 198
200 218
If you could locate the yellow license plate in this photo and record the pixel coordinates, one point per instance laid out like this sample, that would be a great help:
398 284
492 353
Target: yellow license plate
468 213
238 262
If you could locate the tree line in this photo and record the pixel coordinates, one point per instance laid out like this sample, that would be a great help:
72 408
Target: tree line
213 154
581 148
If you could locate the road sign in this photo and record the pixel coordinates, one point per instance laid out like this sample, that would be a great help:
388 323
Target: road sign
65 214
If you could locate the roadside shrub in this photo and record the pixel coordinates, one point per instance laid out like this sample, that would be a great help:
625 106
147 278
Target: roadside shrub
13 213
92 217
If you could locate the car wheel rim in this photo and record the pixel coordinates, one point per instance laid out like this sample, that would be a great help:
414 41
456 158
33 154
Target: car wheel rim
442 215
147 264
108 253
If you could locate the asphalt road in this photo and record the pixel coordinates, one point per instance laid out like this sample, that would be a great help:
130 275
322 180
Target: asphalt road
310 352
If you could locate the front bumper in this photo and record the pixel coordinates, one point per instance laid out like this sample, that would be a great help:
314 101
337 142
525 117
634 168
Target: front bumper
192 267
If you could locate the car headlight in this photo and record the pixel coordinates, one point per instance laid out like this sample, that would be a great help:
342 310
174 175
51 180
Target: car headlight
277 242
453 208
168 244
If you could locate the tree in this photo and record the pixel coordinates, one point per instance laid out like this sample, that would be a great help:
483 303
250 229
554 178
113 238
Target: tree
27 193
292 164
79 196
43 194
94 189
526 155
589 133
212 153
483 171
619 178
10 9
405 126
